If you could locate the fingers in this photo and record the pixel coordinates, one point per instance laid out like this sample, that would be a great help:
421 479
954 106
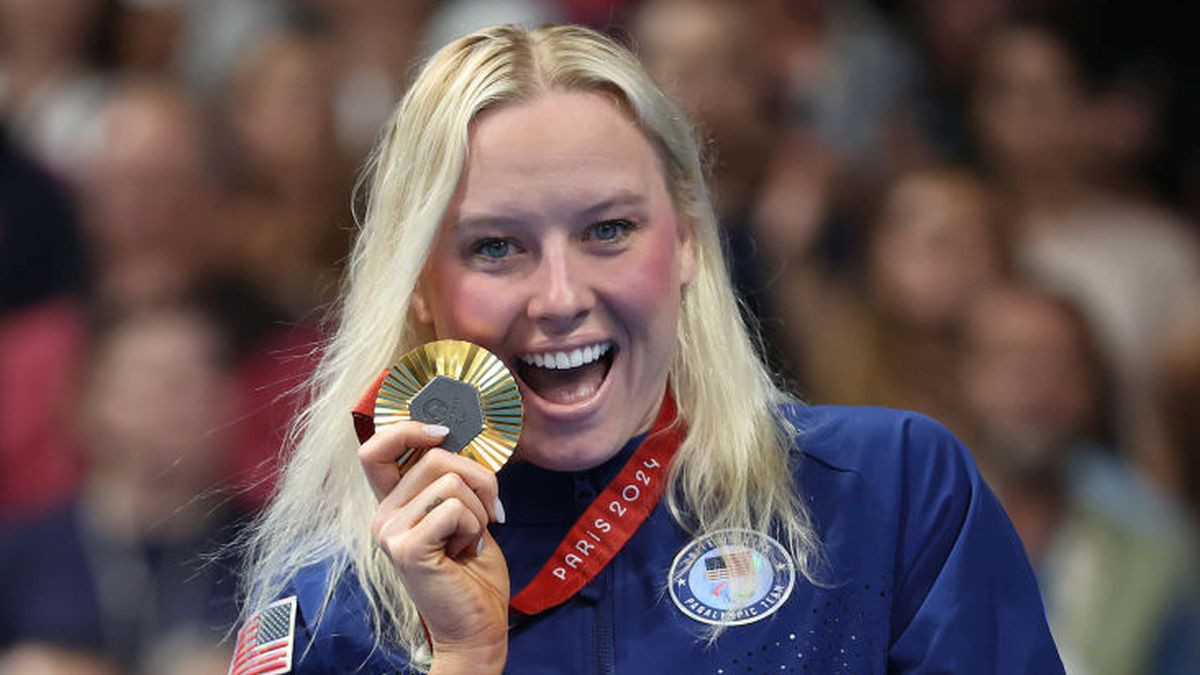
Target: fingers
440 507
410 509
435 466
381 453
450 528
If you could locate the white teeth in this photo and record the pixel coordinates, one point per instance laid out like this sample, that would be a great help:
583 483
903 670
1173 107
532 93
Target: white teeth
572 359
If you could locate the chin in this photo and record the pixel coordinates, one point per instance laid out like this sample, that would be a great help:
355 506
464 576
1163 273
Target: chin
567 451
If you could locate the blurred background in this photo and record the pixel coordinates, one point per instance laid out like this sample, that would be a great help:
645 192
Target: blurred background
983 210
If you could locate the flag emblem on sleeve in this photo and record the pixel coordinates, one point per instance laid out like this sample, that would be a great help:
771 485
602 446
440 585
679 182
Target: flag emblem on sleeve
264 643
733 563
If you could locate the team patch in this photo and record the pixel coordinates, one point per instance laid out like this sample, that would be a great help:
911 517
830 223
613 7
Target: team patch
731 577
265 642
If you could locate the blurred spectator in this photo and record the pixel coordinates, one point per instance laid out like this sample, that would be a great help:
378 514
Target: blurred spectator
804 103
289 180
149 204
937 245
50 83
216 34
845 70
1115 560
845 75
196 42
1124 131
41 335
949 35
375 43
287 206
1178 405
160 231
1145 52
703 52
771 186
120 570
1128 265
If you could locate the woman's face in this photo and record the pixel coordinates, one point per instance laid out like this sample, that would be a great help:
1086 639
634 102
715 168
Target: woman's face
1028 104
934 251
563 254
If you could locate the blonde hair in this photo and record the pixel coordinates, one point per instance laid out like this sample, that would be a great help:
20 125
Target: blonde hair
732 471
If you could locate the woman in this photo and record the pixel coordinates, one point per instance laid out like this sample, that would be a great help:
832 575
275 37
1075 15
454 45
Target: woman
537 195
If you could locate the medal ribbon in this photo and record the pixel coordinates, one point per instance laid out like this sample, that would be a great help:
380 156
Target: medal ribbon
610 521
363 413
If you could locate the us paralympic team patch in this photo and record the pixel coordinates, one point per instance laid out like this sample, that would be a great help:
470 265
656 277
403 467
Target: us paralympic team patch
731 577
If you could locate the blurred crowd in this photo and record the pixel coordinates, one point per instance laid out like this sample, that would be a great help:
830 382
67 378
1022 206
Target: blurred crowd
983 210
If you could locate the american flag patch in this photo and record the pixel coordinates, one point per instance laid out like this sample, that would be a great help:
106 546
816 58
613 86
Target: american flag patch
264 644
732 563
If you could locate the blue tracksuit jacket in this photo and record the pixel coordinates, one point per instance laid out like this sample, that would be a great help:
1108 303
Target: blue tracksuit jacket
924 574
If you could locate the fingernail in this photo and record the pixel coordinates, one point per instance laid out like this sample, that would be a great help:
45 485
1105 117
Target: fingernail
436 430
498 508
479 546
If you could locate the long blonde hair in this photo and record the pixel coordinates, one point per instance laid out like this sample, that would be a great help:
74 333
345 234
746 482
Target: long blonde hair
732 471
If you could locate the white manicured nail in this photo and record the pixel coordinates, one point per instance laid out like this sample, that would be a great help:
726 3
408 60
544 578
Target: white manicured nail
498 508
436 430
479 546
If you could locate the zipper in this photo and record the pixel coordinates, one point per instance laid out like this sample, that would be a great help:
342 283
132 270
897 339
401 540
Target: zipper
605 615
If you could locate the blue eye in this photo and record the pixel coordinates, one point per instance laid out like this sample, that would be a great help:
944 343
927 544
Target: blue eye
609 230
493 249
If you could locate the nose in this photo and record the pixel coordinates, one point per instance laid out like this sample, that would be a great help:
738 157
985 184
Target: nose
562 297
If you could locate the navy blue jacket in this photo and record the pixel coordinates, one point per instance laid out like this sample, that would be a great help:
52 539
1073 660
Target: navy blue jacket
924 573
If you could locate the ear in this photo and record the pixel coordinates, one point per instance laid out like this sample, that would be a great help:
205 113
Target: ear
687 251
419 305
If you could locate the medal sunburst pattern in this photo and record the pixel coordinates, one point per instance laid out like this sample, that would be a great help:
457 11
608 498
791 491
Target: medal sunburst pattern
499 397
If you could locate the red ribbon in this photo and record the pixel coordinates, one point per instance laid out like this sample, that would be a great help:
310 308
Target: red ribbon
610 521
363 414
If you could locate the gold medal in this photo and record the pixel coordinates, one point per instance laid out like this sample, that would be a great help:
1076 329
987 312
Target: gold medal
461 386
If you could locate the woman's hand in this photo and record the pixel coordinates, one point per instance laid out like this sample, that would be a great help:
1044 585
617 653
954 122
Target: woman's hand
433 525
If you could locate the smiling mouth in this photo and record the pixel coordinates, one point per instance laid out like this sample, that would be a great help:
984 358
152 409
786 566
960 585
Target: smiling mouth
568 376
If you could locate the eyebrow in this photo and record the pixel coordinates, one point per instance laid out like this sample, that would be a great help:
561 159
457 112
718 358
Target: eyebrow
621 198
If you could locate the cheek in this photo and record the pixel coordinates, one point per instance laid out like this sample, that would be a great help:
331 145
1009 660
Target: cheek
649 285
472 307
